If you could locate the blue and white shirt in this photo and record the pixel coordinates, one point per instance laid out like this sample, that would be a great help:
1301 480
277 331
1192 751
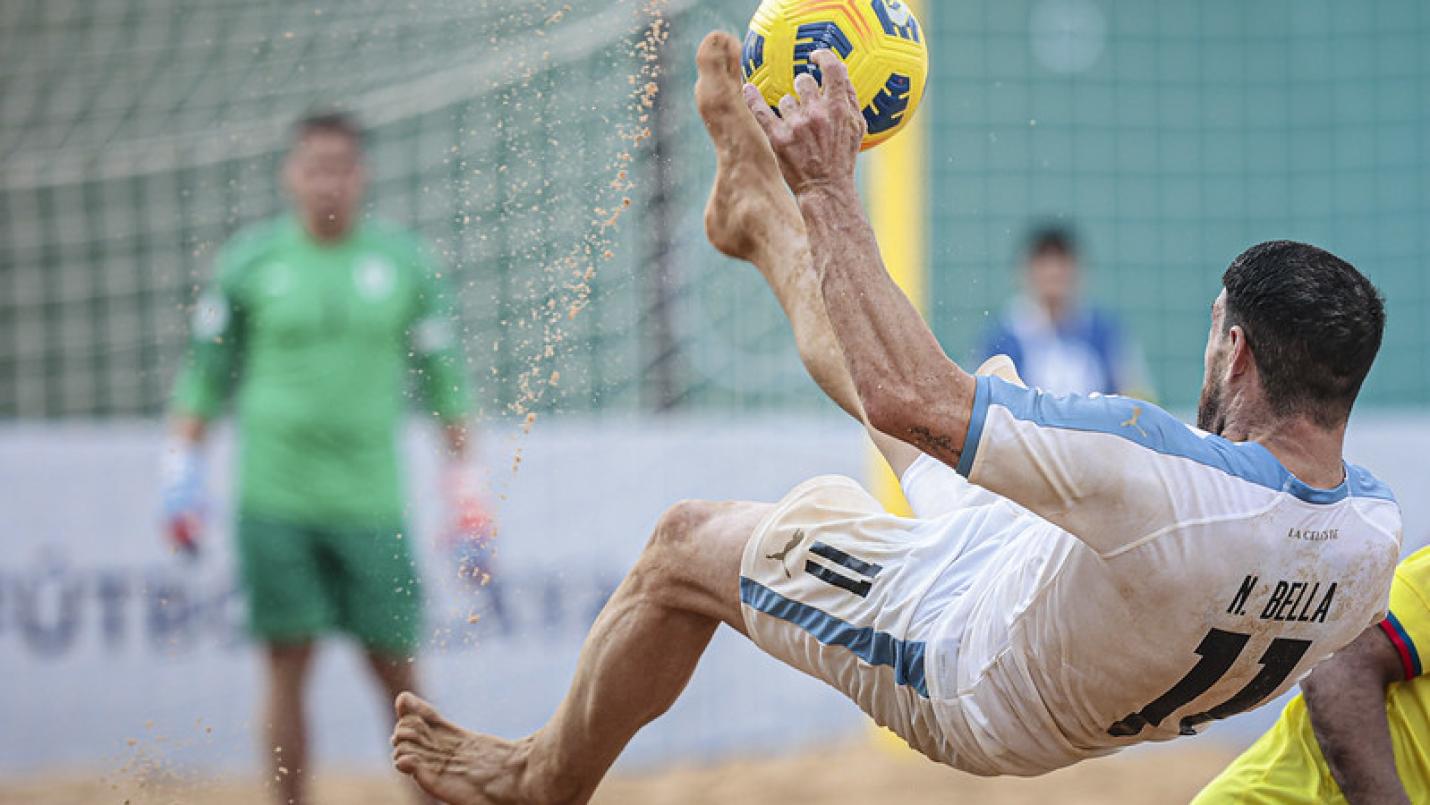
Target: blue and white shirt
1171 577
1086 351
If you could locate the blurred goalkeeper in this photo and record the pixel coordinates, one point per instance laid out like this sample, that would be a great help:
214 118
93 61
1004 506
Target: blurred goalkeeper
313 323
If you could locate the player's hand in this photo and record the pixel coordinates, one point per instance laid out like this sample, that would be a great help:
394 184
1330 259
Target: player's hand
466 506
470 528
181 475
817 135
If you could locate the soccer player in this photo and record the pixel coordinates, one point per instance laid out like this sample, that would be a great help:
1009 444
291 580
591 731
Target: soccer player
1115 576
1059 342
312 323
1357 733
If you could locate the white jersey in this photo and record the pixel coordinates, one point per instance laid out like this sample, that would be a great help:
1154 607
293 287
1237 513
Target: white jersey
1171 578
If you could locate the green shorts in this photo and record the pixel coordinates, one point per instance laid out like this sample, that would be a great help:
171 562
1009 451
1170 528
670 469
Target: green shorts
302 582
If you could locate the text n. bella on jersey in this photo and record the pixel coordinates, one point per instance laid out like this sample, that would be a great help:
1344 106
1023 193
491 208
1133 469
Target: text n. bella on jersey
1300 601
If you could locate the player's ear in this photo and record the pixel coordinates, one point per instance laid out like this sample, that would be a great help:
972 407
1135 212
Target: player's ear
1239 358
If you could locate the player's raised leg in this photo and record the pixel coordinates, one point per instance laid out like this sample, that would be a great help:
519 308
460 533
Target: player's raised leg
636 660
752 216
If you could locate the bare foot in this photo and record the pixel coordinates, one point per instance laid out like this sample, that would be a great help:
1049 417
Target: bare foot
749 202
454 765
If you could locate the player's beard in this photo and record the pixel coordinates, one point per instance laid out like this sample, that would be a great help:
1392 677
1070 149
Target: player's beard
1210 416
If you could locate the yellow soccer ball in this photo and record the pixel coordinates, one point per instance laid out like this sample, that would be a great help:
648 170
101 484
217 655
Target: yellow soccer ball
880 40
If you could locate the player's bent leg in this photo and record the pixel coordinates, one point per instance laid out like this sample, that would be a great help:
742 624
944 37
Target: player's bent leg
752 216
637 659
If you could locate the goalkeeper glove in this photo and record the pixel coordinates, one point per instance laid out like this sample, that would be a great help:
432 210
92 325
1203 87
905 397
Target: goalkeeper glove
181 476
470 531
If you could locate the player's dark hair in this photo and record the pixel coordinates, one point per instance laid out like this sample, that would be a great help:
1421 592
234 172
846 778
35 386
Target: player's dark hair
1313 322
329 121
1051 239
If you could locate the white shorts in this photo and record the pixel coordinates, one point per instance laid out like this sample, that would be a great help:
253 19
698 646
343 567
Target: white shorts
837 587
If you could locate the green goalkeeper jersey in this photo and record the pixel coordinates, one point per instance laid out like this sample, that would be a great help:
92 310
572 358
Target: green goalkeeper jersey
316 342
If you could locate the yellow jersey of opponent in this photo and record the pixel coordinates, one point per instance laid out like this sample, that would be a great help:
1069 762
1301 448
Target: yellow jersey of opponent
1285 766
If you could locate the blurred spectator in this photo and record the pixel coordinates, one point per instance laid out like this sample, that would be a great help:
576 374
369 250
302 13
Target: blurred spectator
1058 342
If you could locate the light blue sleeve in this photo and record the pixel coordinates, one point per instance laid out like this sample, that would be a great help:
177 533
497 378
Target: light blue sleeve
1108 469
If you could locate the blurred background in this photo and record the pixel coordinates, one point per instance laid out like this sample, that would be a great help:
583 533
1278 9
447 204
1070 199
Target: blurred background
138 135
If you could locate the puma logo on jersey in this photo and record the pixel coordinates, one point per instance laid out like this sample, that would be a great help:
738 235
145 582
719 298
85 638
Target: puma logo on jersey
793 543
1131 422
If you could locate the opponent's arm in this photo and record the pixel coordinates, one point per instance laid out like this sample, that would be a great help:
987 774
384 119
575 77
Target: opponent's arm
907 385
1345 696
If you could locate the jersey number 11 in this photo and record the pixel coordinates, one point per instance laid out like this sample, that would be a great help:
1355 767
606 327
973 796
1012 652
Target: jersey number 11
1219 651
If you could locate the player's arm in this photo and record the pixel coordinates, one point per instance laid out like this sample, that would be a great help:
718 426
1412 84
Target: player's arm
1096 467
204 384
438 359
1345 696
211 364
907 385
440 364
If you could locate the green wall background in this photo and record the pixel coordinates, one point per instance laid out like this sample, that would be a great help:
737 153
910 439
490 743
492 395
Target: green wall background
1198 129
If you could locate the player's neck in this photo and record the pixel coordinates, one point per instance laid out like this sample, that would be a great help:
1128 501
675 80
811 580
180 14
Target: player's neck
1056 310
327 230
1307 450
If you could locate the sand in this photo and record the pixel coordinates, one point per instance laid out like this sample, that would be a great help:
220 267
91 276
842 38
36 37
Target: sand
844 774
